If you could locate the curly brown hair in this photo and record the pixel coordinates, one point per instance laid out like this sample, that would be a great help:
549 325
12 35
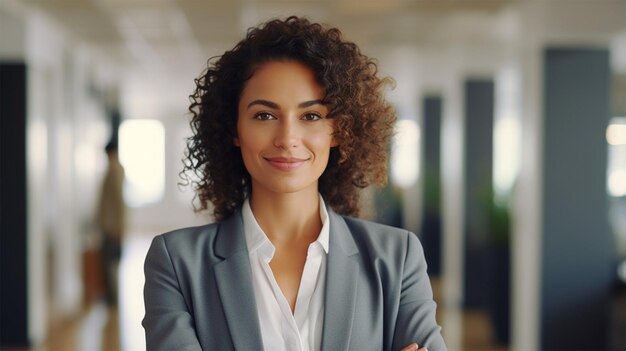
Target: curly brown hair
353 93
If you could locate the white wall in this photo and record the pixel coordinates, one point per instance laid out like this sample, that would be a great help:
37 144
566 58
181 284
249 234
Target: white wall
65 134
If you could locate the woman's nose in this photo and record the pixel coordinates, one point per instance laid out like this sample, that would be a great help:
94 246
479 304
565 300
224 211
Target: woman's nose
287 135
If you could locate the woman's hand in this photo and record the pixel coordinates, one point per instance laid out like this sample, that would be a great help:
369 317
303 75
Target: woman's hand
414 347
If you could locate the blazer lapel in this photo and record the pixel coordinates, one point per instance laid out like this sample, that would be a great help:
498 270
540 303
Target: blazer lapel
341 286
234 283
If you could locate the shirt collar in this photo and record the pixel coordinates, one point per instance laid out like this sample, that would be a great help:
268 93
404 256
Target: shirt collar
324 236
256 238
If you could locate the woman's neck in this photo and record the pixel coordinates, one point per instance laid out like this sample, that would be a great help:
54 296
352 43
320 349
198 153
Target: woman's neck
286 217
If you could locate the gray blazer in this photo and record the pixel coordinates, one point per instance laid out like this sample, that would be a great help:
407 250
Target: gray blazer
198 291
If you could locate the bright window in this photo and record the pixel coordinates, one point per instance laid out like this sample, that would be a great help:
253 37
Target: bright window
405 153
142 153
616 138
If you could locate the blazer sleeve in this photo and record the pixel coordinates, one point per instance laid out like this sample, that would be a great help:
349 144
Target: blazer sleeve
416 314
168 322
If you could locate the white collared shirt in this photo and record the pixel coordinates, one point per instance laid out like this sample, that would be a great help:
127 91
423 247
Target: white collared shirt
280 329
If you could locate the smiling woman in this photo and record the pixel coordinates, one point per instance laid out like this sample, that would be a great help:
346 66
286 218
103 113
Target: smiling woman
350 90
283 130
288 126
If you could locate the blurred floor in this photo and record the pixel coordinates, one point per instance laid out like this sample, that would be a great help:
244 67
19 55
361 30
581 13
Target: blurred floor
476 334
104 328
97 328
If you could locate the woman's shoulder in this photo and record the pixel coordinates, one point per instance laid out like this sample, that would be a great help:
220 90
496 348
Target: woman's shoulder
384 245
379 237
187 240
375 229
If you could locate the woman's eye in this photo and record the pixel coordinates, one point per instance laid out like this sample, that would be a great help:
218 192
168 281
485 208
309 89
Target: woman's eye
263 116
311 117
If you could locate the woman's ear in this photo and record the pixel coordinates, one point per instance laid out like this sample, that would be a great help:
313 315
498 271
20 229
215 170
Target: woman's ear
236 142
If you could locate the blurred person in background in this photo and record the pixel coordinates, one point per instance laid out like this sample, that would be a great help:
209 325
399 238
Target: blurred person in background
288 127
111 220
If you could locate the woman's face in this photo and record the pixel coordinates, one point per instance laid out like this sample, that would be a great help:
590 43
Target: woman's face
282 129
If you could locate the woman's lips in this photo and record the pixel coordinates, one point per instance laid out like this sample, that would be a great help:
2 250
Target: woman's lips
285 163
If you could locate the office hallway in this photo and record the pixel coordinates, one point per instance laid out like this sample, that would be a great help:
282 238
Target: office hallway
511 135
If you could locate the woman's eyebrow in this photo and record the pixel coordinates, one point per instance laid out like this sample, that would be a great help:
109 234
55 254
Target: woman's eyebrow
311 103
263 103
276 106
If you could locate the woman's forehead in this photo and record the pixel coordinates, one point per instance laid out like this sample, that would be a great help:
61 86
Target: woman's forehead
288 81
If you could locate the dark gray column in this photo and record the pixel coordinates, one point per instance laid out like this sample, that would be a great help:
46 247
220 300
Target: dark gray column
577 247
431 219
13 235
479 115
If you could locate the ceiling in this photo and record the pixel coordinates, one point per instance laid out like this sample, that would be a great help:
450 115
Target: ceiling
174 38
163 30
